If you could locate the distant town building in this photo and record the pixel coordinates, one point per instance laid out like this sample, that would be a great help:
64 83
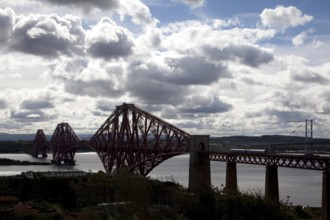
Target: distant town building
75 173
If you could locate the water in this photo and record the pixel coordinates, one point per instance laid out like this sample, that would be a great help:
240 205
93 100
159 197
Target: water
84 161
300 187
296 186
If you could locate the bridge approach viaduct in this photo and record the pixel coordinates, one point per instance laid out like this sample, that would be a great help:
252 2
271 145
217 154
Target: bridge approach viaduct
201 154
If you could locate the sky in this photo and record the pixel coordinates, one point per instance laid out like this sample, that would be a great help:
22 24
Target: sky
208 67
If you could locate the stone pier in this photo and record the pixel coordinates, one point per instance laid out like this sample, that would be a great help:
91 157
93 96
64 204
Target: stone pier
271 183
326 196
199 163
231 177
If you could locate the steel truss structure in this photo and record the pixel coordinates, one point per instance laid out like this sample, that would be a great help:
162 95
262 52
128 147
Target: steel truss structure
137 140
279 159
40 144
64 144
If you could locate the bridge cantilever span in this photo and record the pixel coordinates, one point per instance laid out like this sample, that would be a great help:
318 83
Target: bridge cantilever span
40 144
63 144
133 138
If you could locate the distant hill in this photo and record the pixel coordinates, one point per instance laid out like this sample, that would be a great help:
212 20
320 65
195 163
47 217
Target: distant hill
30 137
265 139
19 143
16 137
230 139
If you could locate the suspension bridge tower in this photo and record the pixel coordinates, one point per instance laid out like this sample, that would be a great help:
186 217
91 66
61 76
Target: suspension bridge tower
308 133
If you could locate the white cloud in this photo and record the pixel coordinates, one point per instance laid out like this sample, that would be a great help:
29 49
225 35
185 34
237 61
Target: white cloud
218 23
189 36
47 35
193 3
7 19
88 77
282 17
300 38
193 70
150 38
215 106
86 5
215 76
93 88
246 54
136 9
3 104
109 41
139 12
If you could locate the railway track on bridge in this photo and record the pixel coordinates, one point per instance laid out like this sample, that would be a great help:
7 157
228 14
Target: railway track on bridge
277 155
314 162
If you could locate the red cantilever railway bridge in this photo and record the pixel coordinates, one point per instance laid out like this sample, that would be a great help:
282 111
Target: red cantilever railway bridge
138 140
135 139
130 137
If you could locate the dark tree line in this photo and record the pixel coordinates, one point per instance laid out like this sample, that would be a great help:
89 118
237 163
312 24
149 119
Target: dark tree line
15 146
129 196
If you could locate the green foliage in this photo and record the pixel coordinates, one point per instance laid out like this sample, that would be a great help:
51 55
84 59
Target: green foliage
134 191
199 206
168 193
5 187
93 189
52 190
246 206
14 146
130 196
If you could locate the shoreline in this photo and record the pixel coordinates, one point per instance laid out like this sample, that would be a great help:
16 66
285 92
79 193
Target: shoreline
8 162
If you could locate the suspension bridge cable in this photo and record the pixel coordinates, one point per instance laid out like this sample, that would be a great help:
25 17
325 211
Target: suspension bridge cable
296 130
322 127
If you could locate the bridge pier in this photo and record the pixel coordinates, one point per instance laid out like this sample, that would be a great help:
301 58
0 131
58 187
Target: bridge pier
326 196
271 183
199 163
231 177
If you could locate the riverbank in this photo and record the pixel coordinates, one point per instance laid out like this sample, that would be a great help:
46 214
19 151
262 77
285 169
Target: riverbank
130 196
7 162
